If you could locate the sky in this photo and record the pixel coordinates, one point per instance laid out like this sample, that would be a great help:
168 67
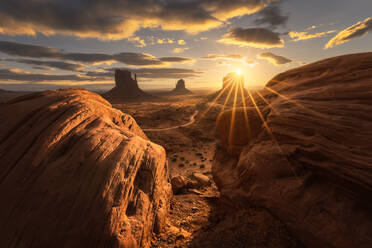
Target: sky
49 44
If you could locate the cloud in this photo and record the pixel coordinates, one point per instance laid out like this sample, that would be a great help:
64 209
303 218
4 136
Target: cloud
272 16
138 41
137 59
357 30
253 37
181 42
177 60
150 73
179 49
27 50
113 19
297 36
18 75
274 59
220 56
45 65
91 58
165 41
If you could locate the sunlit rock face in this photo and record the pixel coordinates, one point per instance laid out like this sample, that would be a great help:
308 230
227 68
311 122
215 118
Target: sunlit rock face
181 88
125 86
76 172
309 164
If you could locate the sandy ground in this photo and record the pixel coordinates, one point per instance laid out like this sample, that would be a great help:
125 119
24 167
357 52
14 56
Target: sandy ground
197 217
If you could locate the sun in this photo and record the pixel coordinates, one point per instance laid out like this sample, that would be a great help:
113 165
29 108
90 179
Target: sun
238 71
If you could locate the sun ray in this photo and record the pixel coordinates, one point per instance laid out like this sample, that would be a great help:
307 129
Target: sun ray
296 103
269 130
245 109
232 122
268 104
216 98
227 98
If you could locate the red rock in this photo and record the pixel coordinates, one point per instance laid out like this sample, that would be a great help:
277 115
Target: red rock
312 170
76 172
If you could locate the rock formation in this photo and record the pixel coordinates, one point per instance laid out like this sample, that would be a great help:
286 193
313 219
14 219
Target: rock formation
126 86
180 88
76 172
309 164
232 84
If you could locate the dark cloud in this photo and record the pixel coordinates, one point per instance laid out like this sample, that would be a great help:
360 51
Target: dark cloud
253 37
274 59
17 75
357 30
87 57
117 19
271 16
50 64
176 59
137 59
27 50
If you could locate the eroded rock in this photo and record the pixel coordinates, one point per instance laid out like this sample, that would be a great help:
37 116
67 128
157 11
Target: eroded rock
310 167
76 172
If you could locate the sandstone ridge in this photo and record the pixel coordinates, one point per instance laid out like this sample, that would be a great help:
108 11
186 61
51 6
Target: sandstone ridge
310 163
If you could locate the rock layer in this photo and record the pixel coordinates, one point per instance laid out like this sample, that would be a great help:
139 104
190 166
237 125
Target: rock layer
77 173
309 164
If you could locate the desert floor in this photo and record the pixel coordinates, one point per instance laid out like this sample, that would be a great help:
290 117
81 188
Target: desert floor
197 218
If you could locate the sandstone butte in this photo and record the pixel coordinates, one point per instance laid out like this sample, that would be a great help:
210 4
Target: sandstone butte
313 169
180 88
126 86
77 173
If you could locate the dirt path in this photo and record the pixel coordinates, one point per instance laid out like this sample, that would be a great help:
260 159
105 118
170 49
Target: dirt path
191 121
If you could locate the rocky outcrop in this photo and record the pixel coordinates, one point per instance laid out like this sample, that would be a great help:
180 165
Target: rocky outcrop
180 88
309 164
126 86
76 172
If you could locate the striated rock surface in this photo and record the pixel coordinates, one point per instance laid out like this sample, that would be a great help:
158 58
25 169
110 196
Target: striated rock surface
75 172
311 166
126 86
180 88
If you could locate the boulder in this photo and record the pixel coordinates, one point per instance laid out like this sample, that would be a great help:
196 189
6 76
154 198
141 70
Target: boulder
126 86
178 184
309 163
76 172
202 180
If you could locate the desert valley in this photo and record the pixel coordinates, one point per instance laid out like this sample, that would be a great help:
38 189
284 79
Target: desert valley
186 124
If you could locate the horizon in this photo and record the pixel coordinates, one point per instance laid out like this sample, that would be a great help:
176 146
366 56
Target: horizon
197 43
